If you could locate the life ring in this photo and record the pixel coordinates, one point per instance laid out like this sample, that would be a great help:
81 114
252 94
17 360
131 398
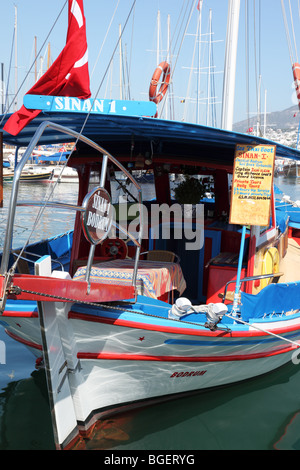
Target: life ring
270 265
154 95
114 248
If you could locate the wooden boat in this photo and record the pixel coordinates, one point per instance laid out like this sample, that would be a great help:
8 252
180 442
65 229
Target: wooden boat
107 329
102 308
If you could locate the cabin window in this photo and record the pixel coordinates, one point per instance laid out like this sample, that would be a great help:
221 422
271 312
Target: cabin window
123 190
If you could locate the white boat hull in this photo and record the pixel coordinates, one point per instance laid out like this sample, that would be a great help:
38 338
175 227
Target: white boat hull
120 363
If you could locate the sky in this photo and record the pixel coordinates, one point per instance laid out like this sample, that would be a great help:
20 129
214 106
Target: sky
266 76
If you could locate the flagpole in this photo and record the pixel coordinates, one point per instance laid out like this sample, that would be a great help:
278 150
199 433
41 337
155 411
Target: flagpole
16 61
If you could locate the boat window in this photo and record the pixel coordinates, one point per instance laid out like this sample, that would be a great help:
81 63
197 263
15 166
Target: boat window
191 189
123 190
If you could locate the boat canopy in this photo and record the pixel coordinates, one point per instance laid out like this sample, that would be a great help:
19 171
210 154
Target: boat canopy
273 299
167 140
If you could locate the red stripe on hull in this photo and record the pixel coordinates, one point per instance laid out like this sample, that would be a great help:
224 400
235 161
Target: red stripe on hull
139 357
186 331
24 341
24 314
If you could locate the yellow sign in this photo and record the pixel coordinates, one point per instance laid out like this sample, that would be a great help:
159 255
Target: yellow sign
252 184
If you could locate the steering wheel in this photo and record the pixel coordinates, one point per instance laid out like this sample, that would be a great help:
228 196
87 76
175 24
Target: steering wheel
114 248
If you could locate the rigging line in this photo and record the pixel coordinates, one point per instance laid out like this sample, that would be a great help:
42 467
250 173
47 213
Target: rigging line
247 59
105 37
190 75
106 70
29 71
287 32
47 198
179 49
131 49
263 330
8 77
255 57
293 30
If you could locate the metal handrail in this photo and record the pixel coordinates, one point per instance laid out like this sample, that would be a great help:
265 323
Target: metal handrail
15 186
250 278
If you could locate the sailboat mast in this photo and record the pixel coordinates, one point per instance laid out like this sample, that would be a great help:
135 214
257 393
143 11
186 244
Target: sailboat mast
199 62
121 62
167 97
35 59
209 70
16 61
230 64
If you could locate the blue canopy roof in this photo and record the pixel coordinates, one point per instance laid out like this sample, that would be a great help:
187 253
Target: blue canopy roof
170 139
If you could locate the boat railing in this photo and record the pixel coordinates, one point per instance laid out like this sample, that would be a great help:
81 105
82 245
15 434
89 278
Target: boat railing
249 279
106 157
27 255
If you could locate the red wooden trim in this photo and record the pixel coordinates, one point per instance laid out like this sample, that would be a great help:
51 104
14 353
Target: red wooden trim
183 330
20 314
68 288
140 357
24 341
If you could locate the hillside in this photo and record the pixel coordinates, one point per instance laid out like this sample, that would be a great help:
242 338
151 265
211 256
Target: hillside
283 120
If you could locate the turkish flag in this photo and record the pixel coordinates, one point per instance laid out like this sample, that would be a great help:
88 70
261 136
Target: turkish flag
296 74
67 76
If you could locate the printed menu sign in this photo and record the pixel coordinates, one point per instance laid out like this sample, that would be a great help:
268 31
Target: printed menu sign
252 184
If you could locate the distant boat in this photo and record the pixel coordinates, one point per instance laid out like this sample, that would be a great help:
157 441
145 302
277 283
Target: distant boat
30 174
54 163
63 175
292 168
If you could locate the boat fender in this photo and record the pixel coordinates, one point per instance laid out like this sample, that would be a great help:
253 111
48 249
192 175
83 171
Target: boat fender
270 265
181 307
214 312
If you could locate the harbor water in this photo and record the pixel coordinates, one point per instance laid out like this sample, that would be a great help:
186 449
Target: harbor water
259 414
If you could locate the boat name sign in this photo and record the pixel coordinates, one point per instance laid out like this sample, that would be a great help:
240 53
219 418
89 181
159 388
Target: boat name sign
98 215
71 104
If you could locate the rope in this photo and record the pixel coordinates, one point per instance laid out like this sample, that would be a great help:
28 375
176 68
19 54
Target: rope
287 32
17 290
261 329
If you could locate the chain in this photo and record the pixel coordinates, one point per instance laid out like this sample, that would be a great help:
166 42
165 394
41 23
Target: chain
17 290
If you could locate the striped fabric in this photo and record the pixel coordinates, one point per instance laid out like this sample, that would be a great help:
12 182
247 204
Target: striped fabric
157 277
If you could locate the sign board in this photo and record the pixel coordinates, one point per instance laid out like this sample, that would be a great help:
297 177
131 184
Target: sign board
69 104
98 215
252 184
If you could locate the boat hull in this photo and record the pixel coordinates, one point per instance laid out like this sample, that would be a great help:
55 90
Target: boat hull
28 177
128 359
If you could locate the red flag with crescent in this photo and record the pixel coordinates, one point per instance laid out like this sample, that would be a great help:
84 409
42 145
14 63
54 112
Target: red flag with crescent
67 76
296 74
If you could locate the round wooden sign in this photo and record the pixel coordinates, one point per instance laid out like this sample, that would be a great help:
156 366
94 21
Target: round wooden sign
98 215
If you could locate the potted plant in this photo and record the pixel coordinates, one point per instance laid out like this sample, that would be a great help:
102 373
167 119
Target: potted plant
190 190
